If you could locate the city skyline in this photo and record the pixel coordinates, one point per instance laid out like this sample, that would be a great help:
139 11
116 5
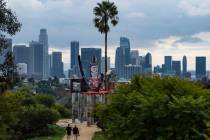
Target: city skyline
183 30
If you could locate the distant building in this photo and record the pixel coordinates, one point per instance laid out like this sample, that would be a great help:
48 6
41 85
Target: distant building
86 58
168 64
74 72
122 56
157 69
22 55
43 39
8 48
57 65
184 65
131 70
200 67
22 68
176 67
125 44
148 64
36 69
74 53
134 57
103 64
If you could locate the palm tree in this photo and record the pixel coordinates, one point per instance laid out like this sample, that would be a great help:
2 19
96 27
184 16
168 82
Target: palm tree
105 13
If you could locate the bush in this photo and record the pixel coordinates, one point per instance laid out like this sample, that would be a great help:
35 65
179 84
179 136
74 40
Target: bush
154 108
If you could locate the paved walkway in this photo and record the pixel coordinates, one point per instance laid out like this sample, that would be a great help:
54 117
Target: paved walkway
86 133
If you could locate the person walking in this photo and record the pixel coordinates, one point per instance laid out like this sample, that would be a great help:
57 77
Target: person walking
75 132
68 131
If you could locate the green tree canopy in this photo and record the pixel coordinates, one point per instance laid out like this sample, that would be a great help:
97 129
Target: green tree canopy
153 108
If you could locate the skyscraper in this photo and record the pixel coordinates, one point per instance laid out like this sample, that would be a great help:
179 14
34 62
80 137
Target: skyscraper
119 62
184 65
36 60
122 56
74 53
22 54
176 67
8 45
200 67
57 65
134 57
86 58
103 64
148 63
43 39
125 44
168 64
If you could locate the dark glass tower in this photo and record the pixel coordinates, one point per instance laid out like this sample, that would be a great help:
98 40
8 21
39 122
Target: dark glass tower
57 65
74 53
200 67
168 64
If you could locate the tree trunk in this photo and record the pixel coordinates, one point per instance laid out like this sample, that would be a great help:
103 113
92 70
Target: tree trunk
106 87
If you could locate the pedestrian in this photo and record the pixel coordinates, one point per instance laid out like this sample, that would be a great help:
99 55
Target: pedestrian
68 131
75 132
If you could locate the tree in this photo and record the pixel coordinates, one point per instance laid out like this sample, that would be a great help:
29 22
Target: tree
105 13
8 70
157 108
9 23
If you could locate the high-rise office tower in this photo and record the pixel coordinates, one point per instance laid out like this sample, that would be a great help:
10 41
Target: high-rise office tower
176 67
122 56
103 64
8 48
43 39
125 44
74 53
134 57
57 65
184 65
36 60
168 64
119 62
200 67
148 63
86 58
22 54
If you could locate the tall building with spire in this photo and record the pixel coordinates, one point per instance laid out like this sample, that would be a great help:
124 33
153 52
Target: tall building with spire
43 39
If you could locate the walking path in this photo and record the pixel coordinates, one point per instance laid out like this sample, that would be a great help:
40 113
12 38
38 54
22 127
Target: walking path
86 133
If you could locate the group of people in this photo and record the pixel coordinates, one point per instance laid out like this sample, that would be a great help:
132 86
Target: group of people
69 131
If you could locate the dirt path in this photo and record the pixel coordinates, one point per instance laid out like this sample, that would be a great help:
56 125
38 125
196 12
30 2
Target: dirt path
86 133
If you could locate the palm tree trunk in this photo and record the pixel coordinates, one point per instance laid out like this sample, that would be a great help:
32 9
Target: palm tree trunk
105 61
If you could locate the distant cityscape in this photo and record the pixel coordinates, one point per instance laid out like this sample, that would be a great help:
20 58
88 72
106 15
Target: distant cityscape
34 61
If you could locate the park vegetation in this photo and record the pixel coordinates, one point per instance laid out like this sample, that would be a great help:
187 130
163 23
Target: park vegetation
154 108
25 115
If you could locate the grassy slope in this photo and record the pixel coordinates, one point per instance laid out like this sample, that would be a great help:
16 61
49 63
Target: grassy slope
60 132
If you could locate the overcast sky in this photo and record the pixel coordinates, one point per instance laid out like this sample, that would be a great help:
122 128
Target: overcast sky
162 27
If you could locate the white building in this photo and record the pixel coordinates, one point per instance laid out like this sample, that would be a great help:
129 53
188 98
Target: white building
22 68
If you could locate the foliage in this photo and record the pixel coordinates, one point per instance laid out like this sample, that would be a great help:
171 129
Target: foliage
64 111
99 136
8 71
58 135
157 108
25 115
45 88
105 12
